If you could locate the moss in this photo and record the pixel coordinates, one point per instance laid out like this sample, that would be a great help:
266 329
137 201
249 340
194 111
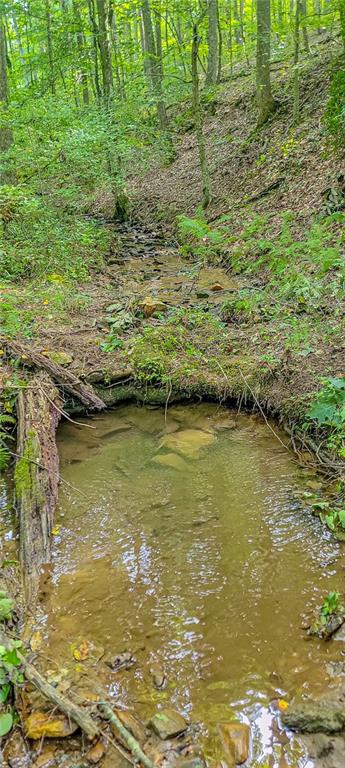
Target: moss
24 478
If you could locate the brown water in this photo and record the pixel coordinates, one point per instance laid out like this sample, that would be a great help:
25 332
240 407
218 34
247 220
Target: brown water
206 567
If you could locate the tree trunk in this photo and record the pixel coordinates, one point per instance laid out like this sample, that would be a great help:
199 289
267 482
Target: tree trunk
50 48
5 129
213 43
266 103
303 21
341 5
153 54
296 62
81 51
198 117
94 30
103 43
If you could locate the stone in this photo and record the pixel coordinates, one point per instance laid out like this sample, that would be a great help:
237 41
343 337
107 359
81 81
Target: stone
188 442
131 722
150 306
95 754
15 751
217 287
235 737
158 675
170 460
45 760
168 723
45 725
314 717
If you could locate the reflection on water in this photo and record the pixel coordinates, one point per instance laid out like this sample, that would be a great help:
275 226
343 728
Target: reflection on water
203 565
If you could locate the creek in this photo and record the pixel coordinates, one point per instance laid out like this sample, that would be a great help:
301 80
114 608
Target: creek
181 538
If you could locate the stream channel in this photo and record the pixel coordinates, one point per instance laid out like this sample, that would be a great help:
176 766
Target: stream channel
181 538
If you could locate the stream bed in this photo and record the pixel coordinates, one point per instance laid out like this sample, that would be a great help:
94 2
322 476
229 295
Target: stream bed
181 538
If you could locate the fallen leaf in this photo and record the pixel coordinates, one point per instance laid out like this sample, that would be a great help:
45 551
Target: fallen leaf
40 724
82 652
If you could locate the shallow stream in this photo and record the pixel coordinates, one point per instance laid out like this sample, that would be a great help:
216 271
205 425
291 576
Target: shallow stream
181 538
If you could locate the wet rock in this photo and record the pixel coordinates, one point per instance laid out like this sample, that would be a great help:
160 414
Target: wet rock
168 723
314 717
95 754
15 751
124 660
150 306
45 725
225 423
236 740
132 723
191 762
158 675
46 759
170 460
188 442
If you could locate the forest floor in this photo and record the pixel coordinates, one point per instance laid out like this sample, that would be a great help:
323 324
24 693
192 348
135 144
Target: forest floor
251 307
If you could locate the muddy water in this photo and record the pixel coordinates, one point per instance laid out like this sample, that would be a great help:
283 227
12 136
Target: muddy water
183 541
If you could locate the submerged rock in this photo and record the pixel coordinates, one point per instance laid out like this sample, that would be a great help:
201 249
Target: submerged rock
15 751
170 460
45 725
168 723
236 740
188 442
158 675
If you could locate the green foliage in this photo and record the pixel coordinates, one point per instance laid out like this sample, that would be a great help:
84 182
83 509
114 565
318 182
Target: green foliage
5 420
10 675
335 111
328 409
6 607
329 606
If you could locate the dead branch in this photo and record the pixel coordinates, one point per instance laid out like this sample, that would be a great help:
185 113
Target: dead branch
64 378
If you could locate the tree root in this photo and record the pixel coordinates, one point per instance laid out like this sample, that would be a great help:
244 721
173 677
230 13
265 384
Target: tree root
132 744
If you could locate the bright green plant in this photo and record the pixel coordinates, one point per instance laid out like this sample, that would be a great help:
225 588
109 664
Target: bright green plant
329 606
328 410
335 111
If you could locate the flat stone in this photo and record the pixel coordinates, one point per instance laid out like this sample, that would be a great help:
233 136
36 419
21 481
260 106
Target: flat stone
236 740
168 723
170 460
188 442
314 717
131 722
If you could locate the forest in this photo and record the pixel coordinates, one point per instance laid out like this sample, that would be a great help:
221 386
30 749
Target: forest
172 383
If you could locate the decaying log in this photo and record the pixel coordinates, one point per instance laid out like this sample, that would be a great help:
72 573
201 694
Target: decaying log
36 476
64 378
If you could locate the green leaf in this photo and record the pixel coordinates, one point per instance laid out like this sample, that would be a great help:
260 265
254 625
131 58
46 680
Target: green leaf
4 692
6 722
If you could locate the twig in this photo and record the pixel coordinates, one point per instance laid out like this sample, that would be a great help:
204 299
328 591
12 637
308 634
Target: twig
65 415
133 745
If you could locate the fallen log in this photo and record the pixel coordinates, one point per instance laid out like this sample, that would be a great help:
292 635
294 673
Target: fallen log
36 476
64 378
